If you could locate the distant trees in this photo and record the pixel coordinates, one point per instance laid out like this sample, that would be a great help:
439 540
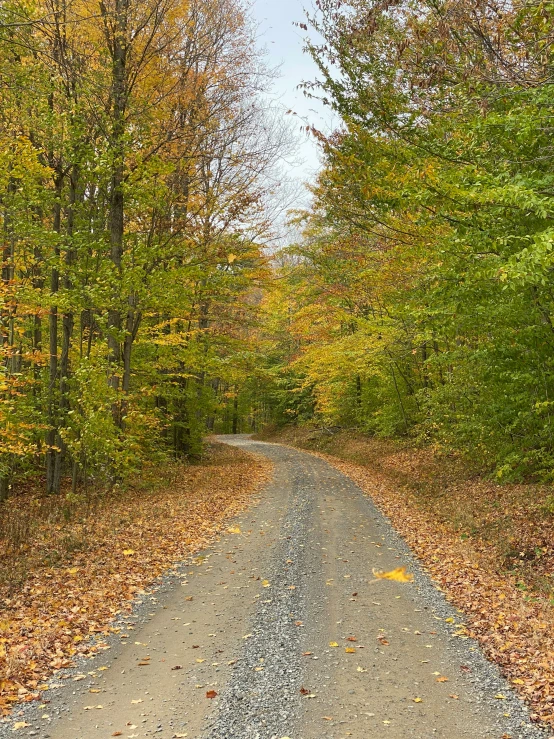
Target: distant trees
135 162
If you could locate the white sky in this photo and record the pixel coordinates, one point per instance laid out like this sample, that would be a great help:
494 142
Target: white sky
283 42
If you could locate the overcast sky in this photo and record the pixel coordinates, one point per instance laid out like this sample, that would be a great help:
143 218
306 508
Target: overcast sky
283 42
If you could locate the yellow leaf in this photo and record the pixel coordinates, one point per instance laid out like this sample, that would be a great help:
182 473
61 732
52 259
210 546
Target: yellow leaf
232 258
350 650
20 725
234 530
500 697
333 644
417 700
73 570
518 681
128 552
398 575
266 583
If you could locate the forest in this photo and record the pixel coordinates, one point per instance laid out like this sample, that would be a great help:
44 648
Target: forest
164 281
138 187
144 300
418 301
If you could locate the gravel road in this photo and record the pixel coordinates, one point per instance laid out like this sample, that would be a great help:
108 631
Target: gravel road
281 630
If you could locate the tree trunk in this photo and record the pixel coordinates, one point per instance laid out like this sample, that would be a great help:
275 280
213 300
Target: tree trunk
8 254
53 461
117 203
236 412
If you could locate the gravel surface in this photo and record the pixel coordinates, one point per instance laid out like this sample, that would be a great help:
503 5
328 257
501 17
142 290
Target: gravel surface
255 621
262 699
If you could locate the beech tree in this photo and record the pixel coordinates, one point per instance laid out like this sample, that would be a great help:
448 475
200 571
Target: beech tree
428 250
136 160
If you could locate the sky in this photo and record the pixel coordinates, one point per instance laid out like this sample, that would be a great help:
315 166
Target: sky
283 43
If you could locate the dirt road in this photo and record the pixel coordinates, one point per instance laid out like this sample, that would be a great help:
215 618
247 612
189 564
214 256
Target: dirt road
281 630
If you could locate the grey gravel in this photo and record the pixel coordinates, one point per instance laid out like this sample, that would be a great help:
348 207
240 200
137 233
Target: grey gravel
314 538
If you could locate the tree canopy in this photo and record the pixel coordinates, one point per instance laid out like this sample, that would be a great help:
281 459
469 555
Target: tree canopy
419 299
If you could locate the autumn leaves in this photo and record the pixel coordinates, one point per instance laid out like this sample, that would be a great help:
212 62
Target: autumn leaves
135 160
61 613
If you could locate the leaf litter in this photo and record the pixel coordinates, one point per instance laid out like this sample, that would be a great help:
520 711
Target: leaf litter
65 610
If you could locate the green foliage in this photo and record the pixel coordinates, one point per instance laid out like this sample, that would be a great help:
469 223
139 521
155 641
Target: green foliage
132 216
421 297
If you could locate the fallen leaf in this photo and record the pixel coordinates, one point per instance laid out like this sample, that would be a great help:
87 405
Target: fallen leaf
211 694
266 584
398 575
333 644
350 650
442 679
417 700
128 552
